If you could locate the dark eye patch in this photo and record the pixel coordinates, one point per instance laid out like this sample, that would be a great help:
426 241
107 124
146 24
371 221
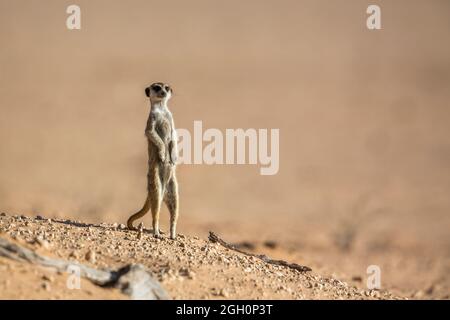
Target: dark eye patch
167 88
156 88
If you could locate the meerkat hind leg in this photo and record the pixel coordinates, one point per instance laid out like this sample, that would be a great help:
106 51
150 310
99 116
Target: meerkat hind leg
155 203
171 200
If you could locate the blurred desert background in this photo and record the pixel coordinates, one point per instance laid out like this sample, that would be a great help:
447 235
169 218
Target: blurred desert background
363 115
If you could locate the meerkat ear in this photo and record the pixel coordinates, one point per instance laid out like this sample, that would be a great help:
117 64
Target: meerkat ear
147 92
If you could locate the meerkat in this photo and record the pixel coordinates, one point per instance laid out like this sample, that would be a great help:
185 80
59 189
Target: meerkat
162 183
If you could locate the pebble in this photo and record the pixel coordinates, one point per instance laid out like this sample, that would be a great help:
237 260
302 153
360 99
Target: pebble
224 293
91 256
46 286
374 293
191 275
48 278
43 243
357 278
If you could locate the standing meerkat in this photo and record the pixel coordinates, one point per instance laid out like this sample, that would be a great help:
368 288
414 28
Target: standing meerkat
162 156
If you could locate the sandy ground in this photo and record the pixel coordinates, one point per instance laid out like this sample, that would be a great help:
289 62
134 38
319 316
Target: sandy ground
363 116
188 267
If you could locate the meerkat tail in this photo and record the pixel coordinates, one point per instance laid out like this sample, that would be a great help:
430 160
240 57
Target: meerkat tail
139 214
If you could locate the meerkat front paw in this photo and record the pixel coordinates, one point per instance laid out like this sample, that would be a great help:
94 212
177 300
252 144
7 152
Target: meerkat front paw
173 153
173 160
162 156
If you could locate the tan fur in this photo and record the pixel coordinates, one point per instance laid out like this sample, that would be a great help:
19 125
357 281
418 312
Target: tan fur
162 183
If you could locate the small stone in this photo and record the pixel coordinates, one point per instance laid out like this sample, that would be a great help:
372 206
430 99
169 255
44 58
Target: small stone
90 256
49 221
48 278
43 243
3 214
430 290
374 293
224 293
186 272
46 286
115 225
271 244
122 226
191 275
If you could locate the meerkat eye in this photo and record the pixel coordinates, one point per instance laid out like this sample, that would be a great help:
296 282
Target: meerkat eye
157 88
167 88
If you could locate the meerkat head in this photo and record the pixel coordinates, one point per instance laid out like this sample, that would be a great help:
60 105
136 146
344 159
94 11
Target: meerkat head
159 92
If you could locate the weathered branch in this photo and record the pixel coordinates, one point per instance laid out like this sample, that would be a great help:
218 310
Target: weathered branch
215 238
133 280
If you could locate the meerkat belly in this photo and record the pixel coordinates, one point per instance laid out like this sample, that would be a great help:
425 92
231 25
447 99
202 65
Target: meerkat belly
163 129
165 132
